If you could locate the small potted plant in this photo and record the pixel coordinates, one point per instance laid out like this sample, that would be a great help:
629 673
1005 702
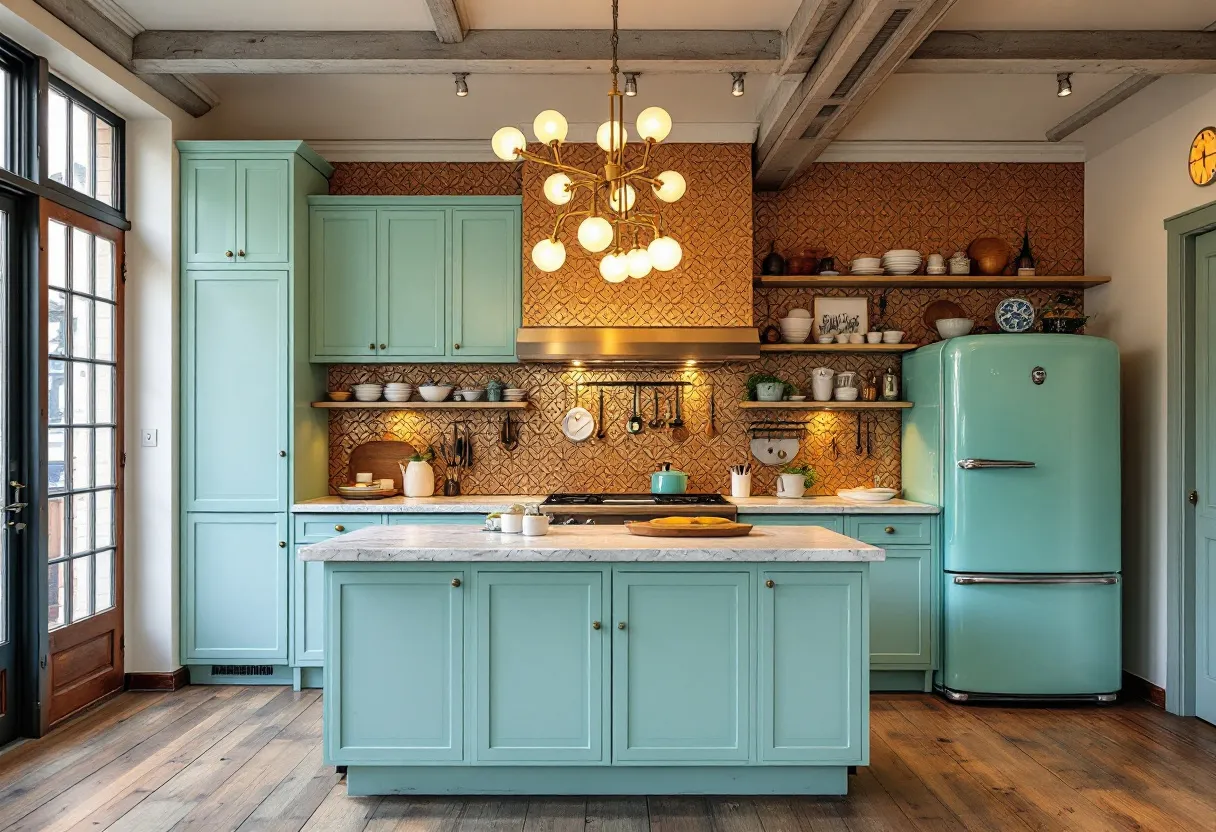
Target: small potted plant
794 480
1062 316
417 477
765 387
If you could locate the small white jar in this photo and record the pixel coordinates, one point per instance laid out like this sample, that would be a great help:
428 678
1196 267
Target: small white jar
512 523
535 525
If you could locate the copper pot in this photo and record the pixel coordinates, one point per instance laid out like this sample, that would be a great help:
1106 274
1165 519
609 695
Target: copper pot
803 263
990 255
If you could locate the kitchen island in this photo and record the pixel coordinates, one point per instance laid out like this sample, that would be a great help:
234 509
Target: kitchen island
592 661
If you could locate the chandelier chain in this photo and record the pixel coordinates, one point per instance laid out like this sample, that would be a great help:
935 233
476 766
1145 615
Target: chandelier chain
616 39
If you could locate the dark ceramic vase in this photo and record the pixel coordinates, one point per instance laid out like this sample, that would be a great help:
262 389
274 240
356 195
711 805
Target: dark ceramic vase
774 263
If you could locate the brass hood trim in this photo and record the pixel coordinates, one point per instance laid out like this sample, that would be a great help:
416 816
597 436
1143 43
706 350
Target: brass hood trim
654 345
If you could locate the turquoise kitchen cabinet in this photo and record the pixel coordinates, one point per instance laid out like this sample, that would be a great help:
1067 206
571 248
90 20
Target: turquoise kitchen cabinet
833 522
437 519
812 689
681 659
209 210
237 211
395 667
485 286
234 587
439 280
263 211
541 667
235 406
343 287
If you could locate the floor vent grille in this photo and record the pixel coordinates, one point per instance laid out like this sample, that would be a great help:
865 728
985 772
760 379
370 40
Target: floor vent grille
242 670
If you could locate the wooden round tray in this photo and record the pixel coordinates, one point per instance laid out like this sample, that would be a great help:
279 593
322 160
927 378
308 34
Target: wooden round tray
647 529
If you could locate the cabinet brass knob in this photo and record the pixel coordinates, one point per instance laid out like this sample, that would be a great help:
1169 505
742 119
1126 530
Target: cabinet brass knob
620 625
889 530
456 346
595 625
282 544
371 346
282 453
339 528
769 583
240 252
455 581
228 253
382 346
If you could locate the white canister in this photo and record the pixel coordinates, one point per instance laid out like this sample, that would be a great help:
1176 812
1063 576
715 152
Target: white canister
791 486
740 486
535 525
512 523
821 383
418 479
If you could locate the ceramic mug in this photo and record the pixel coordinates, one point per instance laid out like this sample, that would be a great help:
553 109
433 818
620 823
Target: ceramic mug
512 523
535 525
740 486
873 337
791 486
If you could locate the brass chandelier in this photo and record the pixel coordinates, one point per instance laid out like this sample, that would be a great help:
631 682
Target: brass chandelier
610 222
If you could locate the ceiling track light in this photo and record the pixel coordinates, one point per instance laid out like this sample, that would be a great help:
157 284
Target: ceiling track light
736 83
1064 84
462 86
631 84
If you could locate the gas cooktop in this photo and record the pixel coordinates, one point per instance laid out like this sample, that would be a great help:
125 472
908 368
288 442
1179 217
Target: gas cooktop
590 509
635 500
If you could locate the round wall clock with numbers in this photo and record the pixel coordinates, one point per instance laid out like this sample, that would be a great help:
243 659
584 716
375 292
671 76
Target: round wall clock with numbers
1201 162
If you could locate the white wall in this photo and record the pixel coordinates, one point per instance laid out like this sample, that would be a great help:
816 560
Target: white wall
1135 178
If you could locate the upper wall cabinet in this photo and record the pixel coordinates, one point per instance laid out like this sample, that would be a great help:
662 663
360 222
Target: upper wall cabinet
415 279
238 211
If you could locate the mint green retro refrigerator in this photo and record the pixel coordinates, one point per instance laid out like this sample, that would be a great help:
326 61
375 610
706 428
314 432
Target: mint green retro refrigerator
1017 437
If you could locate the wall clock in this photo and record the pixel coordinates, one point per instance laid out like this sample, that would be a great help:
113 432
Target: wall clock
1015 315
1202 159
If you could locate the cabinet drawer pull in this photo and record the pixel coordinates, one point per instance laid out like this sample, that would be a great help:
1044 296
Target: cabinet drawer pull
769 583
455 581
620 625
282 544
228 253
889 530
339 528
595 625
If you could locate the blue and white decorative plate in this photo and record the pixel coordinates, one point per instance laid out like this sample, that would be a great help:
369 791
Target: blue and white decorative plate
1015 315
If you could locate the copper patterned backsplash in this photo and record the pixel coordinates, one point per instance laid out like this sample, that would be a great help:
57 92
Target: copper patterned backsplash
546 461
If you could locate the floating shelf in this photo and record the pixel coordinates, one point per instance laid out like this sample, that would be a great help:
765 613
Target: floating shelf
838 348
809 405
352 405
921 281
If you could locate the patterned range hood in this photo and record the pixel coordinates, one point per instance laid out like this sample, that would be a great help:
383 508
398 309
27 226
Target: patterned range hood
651 345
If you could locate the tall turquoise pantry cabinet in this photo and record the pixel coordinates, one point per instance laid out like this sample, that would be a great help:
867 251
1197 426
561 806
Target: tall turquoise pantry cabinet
251 443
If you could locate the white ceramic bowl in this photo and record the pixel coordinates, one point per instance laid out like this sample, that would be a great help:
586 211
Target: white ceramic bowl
391 396
366 395
892 336
954 327
798 313
827 339
845 394
435 392
903 252
472 395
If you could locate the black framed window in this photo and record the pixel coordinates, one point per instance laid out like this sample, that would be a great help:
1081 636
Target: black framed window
19 82
84 146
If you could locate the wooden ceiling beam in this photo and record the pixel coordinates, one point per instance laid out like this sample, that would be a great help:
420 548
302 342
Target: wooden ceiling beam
1047 52
561 51
448 26
808 32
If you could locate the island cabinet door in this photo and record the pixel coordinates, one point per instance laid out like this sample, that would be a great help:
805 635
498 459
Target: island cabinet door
681 660
812 668
541 667
394 678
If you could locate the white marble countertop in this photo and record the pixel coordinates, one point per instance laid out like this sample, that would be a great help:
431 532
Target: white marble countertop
484 504
583 544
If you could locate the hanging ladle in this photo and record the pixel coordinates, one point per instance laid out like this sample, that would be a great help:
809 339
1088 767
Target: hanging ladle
634 425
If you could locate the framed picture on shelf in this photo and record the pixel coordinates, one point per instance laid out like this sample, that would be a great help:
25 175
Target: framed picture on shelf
841 315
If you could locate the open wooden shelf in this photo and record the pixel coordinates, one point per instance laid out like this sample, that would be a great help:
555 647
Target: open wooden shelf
838 348
922 281
353 405
809 405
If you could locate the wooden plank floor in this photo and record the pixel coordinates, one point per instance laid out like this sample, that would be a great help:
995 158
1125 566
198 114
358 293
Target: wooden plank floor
249 758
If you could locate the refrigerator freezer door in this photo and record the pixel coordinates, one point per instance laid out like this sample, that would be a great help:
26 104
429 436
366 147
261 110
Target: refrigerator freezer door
1040 635
1031 459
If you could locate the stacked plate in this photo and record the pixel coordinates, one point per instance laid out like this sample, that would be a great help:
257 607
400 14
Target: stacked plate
368 392
397 391
901 261
514 394
866 265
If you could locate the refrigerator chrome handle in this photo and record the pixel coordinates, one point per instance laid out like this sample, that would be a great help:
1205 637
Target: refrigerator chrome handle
972 464
1105 580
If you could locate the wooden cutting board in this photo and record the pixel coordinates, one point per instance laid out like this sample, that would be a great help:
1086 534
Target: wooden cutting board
648 529
380 458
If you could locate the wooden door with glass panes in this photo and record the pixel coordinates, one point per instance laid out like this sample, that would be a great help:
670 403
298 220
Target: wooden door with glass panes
81 267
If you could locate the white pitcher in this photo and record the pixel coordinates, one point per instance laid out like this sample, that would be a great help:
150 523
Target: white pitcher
792 486
821 383
417 479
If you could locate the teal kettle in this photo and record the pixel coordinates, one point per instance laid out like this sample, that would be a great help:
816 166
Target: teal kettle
668 481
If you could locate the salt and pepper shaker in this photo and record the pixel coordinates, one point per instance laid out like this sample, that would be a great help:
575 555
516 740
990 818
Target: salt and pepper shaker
890 385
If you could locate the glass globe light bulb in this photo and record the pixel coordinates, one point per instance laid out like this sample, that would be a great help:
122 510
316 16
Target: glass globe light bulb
549 255
507 143
550 126
595 233
665 253
614 267
631 196
555 189
638 261
606 136
673 187
654 123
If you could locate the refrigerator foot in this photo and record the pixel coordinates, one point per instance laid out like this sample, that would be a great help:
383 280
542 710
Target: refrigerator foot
1028 699
955 696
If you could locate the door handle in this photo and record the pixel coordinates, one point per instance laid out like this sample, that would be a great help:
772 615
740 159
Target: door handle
974 464
16 506
1105 580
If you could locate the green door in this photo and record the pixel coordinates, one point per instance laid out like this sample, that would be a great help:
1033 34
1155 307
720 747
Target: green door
541 667
234 588
812 687
1205 477
681 660
235 390
343 283
410 297
209 199
900 610
485 282
263 211
394 671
